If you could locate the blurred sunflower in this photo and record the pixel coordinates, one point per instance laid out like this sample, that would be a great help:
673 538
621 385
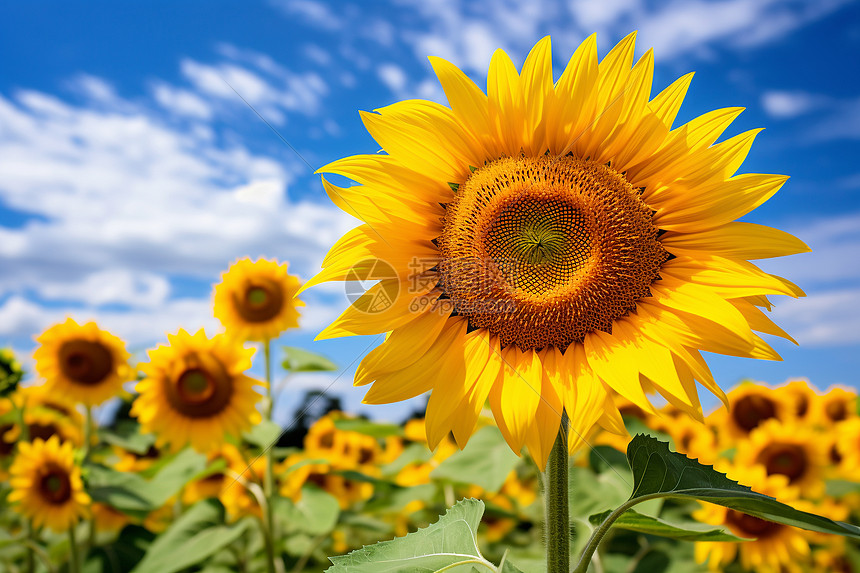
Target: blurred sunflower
214 484
255 300
195 391
775 548
836 405
803 395
43 424
108 519
46 484
789 449
81 363
749 405
551 239
40 397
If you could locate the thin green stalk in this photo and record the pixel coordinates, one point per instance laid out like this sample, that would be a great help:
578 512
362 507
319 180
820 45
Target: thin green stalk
74 557
599 533
557 523
88 433
269 481
31 553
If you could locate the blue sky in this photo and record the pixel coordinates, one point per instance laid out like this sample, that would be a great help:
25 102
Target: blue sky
131 173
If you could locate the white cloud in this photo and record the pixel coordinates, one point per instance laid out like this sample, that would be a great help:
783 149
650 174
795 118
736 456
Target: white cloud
392 76
788 104
270 88
181 102
829 318
128 205
316 13
110 286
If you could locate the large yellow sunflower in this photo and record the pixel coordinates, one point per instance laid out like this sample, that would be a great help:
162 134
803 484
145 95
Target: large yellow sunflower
255 300
81 363
196 391
548 240
46 484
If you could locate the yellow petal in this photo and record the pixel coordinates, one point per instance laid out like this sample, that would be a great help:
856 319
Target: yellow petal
667 103
505 101
737 240
572 109
543 431
537 85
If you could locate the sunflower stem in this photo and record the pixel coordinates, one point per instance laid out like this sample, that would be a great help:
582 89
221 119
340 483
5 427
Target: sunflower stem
557 525
269 481
88 433
31 553
74 557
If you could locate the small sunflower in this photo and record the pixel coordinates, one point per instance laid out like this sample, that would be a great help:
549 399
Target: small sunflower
108 519
749 405
544 242
195 391
40 397
845 449
804 396
255 300
836 405
82 363
46 484
775 548
216 483
791 450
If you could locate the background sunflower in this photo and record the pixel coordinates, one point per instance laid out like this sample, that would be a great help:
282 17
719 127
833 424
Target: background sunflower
195 391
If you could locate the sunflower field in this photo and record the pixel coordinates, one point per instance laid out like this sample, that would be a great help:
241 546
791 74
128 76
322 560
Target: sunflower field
550 260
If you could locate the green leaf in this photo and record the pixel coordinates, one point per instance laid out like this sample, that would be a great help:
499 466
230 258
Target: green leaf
315 513
126 435
688 531
263 435
136 496
450 544
300 360
368 427
486 461
198 534
658 472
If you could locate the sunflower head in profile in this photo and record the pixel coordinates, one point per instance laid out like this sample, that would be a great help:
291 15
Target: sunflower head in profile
81 363
46 484
545 242
195 391
772 547
255 300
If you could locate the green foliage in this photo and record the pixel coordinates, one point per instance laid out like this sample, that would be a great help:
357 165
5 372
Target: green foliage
301 360
450 544
135 495
315 513
126 434
195 536
486 461
368 427
10 372
688 530
658 472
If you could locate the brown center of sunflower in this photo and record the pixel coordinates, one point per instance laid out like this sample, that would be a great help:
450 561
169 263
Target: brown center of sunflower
203 389
54 485
85 362
261 300
744 525
39 431
750 411
789 460
542 250
6 447
836 410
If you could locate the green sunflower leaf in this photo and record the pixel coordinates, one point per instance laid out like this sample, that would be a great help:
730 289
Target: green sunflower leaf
659 472
195 536
486 461
301 360
450 544
688 530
